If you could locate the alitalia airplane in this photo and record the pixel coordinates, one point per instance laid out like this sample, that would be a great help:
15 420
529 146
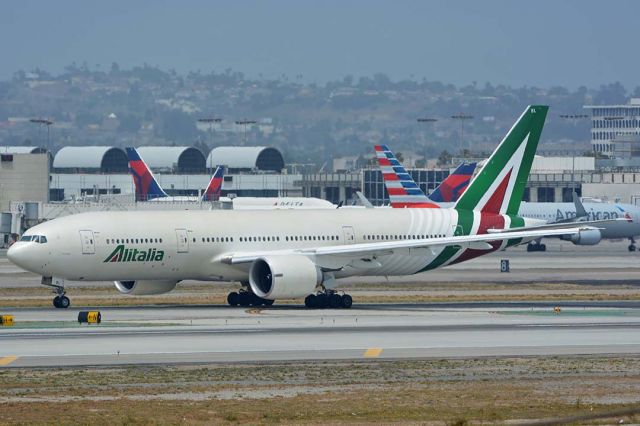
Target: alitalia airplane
405 193
287 254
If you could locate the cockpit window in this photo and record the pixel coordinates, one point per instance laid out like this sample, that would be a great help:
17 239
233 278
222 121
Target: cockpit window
35 238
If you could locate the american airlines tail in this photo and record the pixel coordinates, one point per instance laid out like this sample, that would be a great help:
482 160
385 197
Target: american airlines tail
147 187
397 181
212 193
454 185
403 191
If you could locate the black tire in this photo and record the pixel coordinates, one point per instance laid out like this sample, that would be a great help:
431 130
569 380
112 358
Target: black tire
64 302
543 247
530 248
244 299
322 301
347 301
56 302
233 299
310 301
267 302
335 301
632 247
256 300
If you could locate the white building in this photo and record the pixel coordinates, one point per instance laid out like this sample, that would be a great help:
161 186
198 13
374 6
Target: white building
611 122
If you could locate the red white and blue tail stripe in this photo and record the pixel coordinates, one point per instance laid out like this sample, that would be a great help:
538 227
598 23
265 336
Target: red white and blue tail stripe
403 191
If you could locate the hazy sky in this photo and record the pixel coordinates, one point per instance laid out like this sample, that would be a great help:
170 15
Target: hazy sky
535 42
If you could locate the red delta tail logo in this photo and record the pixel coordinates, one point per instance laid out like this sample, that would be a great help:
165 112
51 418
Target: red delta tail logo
147 188
214 189
402 190
454 185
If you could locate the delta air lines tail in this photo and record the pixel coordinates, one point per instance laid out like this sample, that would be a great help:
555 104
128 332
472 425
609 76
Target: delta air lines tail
212 193
454 185
147 187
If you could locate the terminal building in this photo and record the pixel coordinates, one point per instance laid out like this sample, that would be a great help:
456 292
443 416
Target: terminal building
613 123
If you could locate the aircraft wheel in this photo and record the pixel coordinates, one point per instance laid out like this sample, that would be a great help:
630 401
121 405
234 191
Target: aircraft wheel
244 299
632 247
322 301
63 302
543 247
56 301
233 299
310 301
530 247
347 301
335 301
267 302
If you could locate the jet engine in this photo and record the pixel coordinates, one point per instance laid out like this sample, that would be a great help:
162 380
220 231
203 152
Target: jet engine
587 237
142 288
284 277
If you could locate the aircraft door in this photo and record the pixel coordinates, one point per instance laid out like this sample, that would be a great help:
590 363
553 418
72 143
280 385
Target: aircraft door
88 243
349 235
183 240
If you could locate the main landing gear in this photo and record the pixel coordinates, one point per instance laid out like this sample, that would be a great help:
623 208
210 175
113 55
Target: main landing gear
60 301
536 247
632 246
247 298
328 299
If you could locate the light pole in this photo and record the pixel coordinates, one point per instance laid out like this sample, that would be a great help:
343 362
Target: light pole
48 123
245 123
574 118
426 120
462 117
210 121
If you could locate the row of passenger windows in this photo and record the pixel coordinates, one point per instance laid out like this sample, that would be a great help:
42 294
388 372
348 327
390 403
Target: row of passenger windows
401 237
269 238
133 240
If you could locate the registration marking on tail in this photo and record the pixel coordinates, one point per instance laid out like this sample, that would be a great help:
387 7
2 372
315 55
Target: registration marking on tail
372 352
7 360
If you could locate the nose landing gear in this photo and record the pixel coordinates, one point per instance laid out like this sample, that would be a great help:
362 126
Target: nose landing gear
60 301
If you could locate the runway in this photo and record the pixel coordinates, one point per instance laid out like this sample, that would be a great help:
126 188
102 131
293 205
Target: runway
203 334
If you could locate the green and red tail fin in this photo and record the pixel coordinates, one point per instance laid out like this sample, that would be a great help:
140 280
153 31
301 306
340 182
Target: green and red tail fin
499 186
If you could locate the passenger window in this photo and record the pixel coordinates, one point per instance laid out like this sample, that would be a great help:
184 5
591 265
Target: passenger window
160 239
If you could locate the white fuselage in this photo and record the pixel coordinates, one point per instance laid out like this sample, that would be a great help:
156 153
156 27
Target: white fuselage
194 243
556 212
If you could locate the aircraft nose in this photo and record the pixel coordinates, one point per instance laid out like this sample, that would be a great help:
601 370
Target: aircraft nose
18 254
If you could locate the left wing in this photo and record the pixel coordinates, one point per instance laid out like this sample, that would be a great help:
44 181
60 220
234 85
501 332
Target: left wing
368 251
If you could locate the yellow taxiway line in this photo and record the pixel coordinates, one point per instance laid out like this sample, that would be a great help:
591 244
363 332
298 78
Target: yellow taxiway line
7 360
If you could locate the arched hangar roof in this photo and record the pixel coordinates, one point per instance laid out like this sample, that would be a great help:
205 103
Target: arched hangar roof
179 159
247 157
22 149
106 159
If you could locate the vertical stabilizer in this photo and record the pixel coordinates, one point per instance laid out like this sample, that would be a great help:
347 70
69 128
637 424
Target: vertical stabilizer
212 193
499 186
147 187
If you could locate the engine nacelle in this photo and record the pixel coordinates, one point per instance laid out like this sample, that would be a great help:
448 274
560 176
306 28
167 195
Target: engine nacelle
284 277
141 288
588 237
